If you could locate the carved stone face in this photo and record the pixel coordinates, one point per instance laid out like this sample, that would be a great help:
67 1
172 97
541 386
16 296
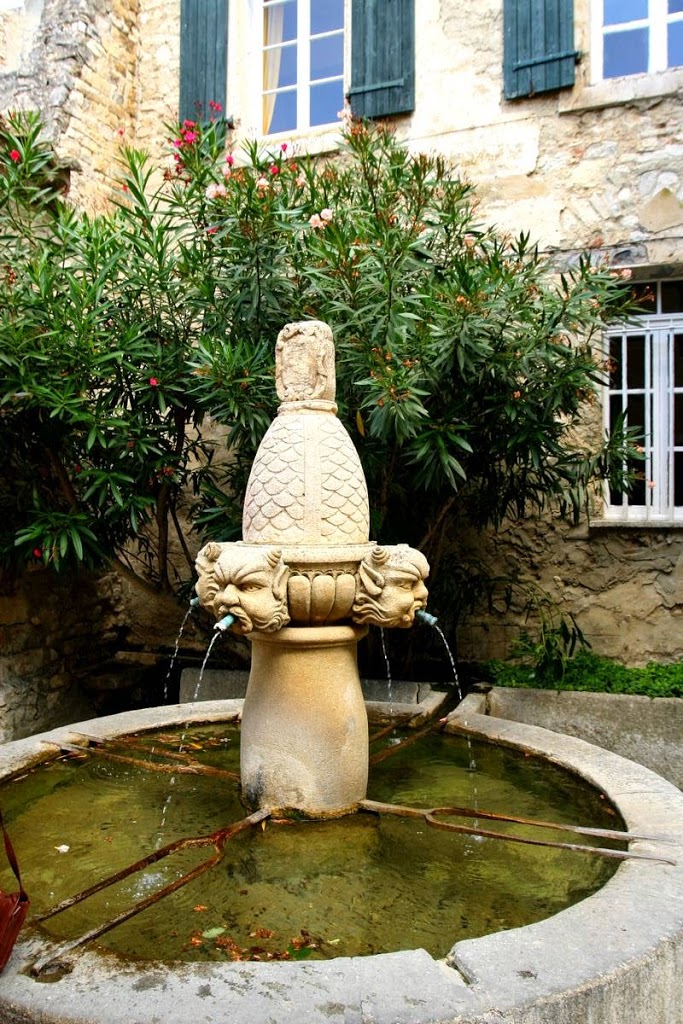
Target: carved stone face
391 587
248 583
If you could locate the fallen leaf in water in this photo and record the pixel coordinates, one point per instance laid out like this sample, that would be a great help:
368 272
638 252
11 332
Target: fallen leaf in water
212 933
200 906
63 848
261 933
196 940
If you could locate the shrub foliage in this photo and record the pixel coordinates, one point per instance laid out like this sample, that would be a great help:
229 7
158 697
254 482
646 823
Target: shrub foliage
463 359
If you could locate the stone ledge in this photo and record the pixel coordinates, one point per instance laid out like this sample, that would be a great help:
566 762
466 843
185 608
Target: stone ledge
645 729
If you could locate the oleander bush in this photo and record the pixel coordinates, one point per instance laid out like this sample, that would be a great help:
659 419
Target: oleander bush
464 360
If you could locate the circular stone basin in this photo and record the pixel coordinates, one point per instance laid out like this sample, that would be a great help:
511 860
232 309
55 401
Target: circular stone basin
359 885
612 957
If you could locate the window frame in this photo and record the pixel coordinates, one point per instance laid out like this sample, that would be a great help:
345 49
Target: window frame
658 390
255 62
657 22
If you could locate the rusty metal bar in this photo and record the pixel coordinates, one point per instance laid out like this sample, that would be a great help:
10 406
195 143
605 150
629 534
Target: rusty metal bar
217 839
427 814
190 767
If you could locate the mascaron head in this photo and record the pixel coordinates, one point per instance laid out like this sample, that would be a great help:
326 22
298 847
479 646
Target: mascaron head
249 583
390 586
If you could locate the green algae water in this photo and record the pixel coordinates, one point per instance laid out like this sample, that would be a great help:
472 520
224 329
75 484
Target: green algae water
359 885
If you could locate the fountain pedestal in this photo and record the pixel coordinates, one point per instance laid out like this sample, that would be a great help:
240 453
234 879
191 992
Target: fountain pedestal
303 585
304 735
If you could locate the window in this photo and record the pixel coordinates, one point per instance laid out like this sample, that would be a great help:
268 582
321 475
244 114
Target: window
646 386
303 63
287 59
633 37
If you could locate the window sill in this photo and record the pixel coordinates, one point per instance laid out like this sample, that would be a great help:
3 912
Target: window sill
308 142
616 92
651 523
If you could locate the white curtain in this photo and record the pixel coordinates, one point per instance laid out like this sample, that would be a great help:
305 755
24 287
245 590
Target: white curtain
273 26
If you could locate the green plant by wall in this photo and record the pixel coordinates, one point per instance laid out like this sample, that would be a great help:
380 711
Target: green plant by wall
463 360
592 673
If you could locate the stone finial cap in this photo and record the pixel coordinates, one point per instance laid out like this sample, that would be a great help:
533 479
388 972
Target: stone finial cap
304 362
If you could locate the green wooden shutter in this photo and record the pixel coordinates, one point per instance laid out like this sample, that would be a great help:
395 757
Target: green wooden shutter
382 57
203 57
539 54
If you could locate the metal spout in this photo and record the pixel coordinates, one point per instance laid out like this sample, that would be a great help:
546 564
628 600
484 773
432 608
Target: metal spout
426 617
225 623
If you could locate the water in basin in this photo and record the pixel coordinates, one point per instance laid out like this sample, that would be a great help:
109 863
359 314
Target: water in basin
358 885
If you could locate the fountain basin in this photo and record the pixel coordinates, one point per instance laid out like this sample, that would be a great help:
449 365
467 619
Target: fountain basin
615 957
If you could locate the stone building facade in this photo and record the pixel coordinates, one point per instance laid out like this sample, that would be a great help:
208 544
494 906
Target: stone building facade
593 164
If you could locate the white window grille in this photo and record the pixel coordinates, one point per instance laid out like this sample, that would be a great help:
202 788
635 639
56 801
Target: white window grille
646 388
302 49
632 37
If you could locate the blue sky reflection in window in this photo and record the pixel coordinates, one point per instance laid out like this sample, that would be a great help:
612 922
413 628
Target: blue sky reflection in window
303 63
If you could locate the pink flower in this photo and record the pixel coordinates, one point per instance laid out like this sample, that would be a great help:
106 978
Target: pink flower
37 552
190 137
315 221
215 191
230 159
651 484
283 147
274 169
326 214
301 181
153 382
15 155
211 231
216 107
177 143
262 183
227 172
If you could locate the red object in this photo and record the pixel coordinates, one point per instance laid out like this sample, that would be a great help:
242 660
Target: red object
13 905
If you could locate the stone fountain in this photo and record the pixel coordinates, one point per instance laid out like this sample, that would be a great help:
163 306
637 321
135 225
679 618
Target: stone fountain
303 585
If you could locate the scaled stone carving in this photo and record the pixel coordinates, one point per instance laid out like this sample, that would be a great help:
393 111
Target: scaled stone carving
249 583
306 484
390 586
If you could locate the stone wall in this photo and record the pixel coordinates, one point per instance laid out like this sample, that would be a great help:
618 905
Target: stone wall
624 586
76 62
52 632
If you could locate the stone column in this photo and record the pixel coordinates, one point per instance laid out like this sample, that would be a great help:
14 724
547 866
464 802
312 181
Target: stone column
304 743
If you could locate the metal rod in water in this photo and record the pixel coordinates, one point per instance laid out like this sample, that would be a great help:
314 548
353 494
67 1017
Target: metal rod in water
386 752
217 839
188 765
428 815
